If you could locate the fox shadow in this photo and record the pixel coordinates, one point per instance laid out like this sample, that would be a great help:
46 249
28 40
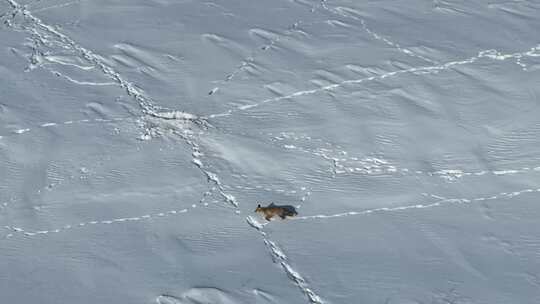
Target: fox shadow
289 210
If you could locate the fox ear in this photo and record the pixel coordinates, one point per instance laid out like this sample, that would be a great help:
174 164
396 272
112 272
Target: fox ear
259 206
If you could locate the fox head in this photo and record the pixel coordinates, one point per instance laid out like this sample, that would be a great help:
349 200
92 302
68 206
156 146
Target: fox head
259 208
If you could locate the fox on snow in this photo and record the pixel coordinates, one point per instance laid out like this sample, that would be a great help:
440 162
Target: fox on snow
272 210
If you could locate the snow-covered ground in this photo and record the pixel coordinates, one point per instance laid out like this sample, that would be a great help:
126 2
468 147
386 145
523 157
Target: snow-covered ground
138 136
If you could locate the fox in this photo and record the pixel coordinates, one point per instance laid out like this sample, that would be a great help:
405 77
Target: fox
272 210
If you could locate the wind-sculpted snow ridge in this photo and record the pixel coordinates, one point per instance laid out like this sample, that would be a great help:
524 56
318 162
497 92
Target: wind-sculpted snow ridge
246 62
44 32
49 187
271 42
280 257
485 54
441 202
198 295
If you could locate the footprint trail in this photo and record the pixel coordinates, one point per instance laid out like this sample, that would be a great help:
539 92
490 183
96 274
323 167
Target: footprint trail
490 54
439 203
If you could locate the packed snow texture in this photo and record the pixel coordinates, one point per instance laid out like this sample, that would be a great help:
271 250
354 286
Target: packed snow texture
138 136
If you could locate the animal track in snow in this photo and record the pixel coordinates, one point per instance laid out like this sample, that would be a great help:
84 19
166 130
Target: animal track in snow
346 12
221 188
47 125
42 32
281 258
246 62
155 122
212 177
54 180
343 163
441 202
79 82
158 123
485 54
95 222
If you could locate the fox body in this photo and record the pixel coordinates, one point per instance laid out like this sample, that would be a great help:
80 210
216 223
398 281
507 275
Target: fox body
272 210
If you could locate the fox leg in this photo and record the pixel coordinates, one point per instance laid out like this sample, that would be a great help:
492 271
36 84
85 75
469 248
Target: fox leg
268 217
282 216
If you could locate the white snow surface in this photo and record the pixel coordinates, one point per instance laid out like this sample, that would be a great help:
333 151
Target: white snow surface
138 136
